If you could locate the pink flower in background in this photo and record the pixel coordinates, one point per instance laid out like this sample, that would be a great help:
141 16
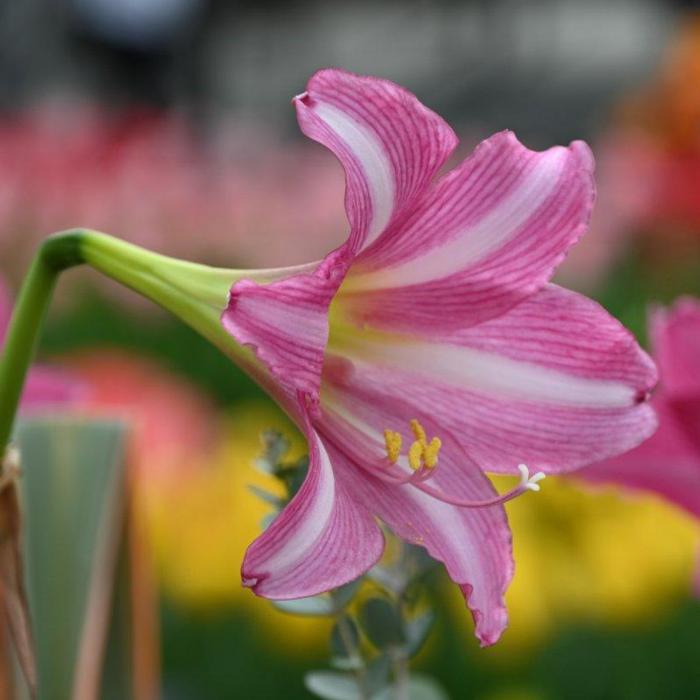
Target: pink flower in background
171 424
669 462
45 386
230 194
435 314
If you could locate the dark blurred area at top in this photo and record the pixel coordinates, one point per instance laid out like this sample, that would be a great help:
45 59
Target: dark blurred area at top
548 69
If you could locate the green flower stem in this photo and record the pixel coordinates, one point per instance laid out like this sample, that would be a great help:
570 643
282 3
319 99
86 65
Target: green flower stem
54 256
197 294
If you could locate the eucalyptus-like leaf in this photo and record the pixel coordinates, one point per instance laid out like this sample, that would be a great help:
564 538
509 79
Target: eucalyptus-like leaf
417 631
419 688
315 606
332 686
343 595
345 638
266 496
391 579
382 623
378 671
293 475
275 446
343 663
418 559
268 520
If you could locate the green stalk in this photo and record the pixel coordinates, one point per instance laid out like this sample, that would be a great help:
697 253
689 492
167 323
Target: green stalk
56 254
195 293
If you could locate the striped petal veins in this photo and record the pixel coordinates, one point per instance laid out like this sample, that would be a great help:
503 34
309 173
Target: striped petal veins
431 347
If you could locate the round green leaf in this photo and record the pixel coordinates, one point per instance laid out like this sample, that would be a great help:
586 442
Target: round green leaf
344 633
382 623
332 686
316 606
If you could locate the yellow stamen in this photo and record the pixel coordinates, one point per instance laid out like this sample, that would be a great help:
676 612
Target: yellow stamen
421 454
415 455
393 442
419 432
430 453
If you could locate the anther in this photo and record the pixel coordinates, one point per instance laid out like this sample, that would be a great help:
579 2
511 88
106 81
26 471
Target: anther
430 453
423 459
422 455
418 431
393 442
415 455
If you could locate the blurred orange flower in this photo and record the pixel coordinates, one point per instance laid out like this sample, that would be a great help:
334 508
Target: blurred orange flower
649 168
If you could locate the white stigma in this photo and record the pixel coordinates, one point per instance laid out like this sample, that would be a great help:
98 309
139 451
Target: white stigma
527 482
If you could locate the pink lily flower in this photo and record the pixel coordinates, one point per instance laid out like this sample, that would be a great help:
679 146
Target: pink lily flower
430 347
669 462
45 386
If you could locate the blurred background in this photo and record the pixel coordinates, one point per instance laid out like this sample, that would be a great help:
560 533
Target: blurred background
168 123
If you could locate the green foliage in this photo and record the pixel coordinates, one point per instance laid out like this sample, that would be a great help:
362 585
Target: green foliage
315 606
74 503
382 622
374 635
419 688
332 686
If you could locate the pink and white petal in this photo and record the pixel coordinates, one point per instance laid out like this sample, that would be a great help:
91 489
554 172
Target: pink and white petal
556 383
485 237
286 323
321 540
474 544
675 334
668 464
389 144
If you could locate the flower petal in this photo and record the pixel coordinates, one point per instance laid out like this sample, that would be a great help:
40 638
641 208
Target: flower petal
286 322
556 383
668 463
676 341
486 236
390 144
321 540
474 544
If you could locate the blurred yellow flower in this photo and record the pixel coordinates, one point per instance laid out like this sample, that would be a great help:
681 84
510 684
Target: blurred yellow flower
599 556
593 556
200 526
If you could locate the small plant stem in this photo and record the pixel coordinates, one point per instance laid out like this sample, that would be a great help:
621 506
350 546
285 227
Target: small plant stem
401 674
353 653
400 661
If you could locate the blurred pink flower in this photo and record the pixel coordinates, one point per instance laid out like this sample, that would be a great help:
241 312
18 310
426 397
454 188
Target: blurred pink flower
224 195
669 462
46 387
436 313
171 423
